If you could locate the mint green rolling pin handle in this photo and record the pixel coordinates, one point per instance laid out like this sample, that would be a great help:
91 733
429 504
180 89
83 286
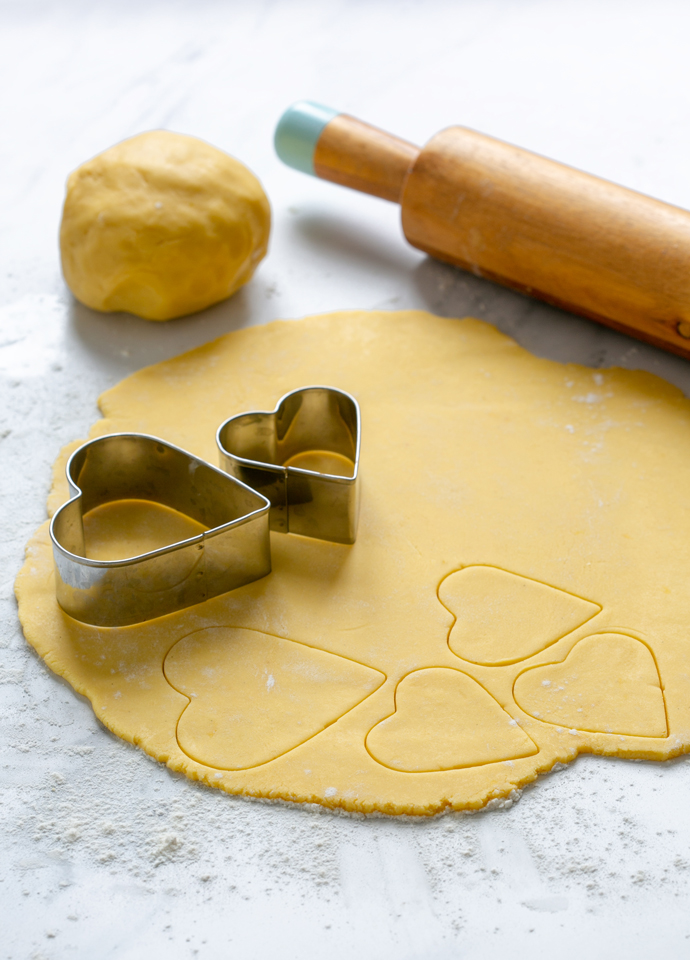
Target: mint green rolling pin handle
298 132
334 146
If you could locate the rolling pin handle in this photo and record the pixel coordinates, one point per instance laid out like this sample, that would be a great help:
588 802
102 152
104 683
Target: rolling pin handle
339 148
298 132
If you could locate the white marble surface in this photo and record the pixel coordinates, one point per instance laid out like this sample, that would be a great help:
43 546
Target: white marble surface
104 854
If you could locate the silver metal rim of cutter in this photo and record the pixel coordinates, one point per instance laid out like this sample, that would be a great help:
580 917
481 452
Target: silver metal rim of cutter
235 548
254 448
233 551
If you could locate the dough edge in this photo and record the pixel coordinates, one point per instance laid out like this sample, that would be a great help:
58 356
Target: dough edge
165 749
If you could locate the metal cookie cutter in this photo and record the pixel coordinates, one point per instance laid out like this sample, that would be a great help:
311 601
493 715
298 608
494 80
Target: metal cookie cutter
287 455
234 550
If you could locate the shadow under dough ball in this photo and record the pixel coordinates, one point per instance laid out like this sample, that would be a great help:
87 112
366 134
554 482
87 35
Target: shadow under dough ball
161 225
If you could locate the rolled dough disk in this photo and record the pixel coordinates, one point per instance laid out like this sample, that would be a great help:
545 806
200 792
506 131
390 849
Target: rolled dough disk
161 225
519 576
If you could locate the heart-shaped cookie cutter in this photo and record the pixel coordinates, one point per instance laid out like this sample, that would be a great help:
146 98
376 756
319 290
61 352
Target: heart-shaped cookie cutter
257 448
234 550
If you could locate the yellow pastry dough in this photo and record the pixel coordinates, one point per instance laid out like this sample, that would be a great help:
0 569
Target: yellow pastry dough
524 528
253 697
609 683
444 720
128 528
495 619
161 225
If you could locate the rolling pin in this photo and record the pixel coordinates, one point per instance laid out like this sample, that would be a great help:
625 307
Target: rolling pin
564 236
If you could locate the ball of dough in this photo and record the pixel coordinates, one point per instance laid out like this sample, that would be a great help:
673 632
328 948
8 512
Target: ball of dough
161 225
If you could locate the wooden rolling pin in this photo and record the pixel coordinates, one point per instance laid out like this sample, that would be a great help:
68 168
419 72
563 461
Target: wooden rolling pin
572 239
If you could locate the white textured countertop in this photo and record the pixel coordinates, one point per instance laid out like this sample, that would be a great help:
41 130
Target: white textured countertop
105 854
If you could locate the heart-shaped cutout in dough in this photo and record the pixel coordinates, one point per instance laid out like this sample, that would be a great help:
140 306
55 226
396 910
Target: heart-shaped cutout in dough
254 696
444 720
303 457
501 617
608 683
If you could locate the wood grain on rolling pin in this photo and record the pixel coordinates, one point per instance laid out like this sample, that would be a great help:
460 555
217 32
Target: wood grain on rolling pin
357 155
564 236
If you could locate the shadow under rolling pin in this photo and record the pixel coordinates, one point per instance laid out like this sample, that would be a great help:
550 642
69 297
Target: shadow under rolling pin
546 229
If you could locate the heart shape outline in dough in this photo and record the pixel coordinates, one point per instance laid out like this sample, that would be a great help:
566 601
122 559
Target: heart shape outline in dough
256 449
631 704
501 617
445 720
254 696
